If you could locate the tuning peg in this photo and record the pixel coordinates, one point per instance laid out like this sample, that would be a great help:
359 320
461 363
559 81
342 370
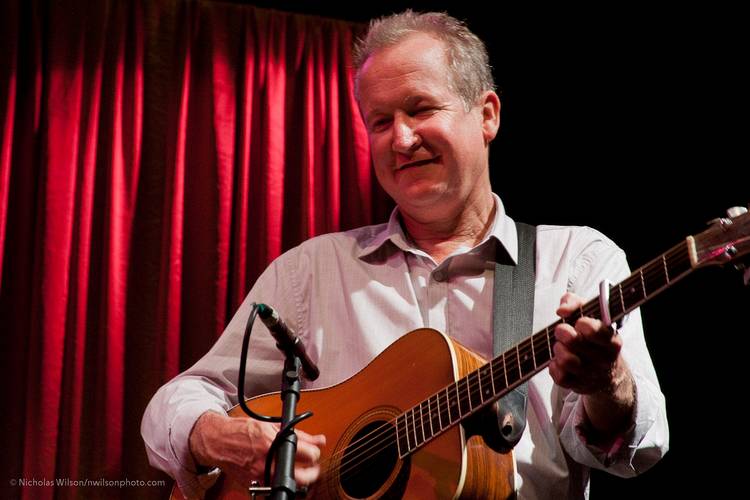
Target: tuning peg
722 221
736 211
731 213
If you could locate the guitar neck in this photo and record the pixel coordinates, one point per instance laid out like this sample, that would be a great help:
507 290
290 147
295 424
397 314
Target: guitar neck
449 406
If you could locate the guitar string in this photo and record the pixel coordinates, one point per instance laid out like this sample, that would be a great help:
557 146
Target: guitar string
473 380
388 427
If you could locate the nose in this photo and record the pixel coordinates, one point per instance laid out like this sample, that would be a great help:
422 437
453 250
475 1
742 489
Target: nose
405 139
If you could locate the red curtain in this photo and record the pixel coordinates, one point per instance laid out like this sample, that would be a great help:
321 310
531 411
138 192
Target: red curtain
155 157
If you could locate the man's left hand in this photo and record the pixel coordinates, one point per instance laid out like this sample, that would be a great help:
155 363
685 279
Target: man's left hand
586 355
587 360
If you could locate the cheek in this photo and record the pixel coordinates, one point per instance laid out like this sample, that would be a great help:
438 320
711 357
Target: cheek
382 157
379 148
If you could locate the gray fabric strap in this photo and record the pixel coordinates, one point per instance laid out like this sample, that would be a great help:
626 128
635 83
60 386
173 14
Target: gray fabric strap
513 321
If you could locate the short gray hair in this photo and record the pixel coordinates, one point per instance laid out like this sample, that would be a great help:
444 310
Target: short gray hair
468 62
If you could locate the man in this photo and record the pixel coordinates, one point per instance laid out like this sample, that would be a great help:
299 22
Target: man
427 98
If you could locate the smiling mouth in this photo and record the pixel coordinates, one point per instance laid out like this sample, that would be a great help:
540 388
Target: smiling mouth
418 163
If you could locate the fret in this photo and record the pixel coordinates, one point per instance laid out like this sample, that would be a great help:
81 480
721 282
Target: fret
402 435
439 411
503 371
492 377
525 359
666 270
429 417
408 433
480 391
622 299
454 411
656 279
448 407
499 380
614 303
464 398
421 423
541 349
679 262
474 389
434 414
631 293
414 427
424 413
485 381
518 362
512 373
549 344
643 284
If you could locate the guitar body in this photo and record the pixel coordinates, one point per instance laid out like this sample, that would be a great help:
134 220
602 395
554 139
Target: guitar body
448 466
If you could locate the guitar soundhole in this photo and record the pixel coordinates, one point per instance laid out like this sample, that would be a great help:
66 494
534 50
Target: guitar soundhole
369 459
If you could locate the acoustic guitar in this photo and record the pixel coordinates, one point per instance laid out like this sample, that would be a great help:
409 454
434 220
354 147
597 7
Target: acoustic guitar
407 425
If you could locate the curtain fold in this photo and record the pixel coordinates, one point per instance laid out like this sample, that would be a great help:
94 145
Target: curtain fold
156 156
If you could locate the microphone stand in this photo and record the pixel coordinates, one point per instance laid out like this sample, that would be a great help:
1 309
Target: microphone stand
284 486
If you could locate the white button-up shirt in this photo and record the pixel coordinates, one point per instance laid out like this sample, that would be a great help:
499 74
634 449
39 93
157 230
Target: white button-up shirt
350 295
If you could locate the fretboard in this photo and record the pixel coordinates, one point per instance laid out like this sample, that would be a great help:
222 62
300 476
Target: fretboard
449 406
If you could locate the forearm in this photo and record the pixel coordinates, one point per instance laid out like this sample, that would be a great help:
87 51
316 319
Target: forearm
167 423
610 411
210 435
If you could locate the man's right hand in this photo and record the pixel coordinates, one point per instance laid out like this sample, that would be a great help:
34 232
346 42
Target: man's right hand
238 446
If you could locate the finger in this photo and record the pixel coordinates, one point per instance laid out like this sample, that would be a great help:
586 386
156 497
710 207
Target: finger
568 303
556 373
594 333
567 361
306 475
590 355
560 376
307 454
565 334
318 440
573 342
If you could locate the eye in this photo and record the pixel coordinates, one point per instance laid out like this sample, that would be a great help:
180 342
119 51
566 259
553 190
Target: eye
380 124
423 111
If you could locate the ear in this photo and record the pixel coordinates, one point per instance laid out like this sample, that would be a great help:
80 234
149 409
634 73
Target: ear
490 104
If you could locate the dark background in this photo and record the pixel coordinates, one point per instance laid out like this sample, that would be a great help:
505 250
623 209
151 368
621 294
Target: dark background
632 119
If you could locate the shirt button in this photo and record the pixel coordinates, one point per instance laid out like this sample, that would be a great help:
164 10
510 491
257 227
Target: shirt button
439 275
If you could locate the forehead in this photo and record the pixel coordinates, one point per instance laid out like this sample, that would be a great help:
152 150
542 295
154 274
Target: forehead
416 66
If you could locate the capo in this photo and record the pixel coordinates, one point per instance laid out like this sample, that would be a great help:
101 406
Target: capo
604 287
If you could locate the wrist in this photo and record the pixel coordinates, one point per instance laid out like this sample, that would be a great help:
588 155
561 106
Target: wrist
199 439
610 410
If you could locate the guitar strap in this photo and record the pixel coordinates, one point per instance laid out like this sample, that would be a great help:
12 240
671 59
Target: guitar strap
513 321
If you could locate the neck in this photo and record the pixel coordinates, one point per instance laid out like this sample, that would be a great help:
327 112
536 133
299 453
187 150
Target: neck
441 236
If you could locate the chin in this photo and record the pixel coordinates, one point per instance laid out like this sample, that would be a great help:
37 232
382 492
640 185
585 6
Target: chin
423 196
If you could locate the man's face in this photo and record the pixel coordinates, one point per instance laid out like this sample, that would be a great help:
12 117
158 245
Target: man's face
428 151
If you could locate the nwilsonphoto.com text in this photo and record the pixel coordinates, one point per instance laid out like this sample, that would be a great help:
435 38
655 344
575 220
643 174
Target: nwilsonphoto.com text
66 482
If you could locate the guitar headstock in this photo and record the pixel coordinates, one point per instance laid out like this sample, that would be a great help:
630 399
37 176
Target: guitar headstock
727 240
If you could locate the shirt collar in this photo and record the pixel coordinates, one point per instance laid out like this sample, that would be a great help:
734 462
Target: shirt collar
499 241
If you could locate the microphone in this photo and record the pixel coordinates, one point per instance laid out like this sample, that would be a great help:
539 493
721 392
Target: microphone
287 340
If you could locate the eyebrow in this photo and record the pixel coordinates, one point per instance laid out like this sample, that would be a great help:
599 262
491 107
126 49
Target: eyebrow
415 99
410 100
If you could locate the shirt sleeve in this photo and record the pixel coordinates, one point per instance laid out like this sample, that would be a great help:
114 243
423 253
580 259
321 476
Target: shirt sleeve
647 438
211 384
